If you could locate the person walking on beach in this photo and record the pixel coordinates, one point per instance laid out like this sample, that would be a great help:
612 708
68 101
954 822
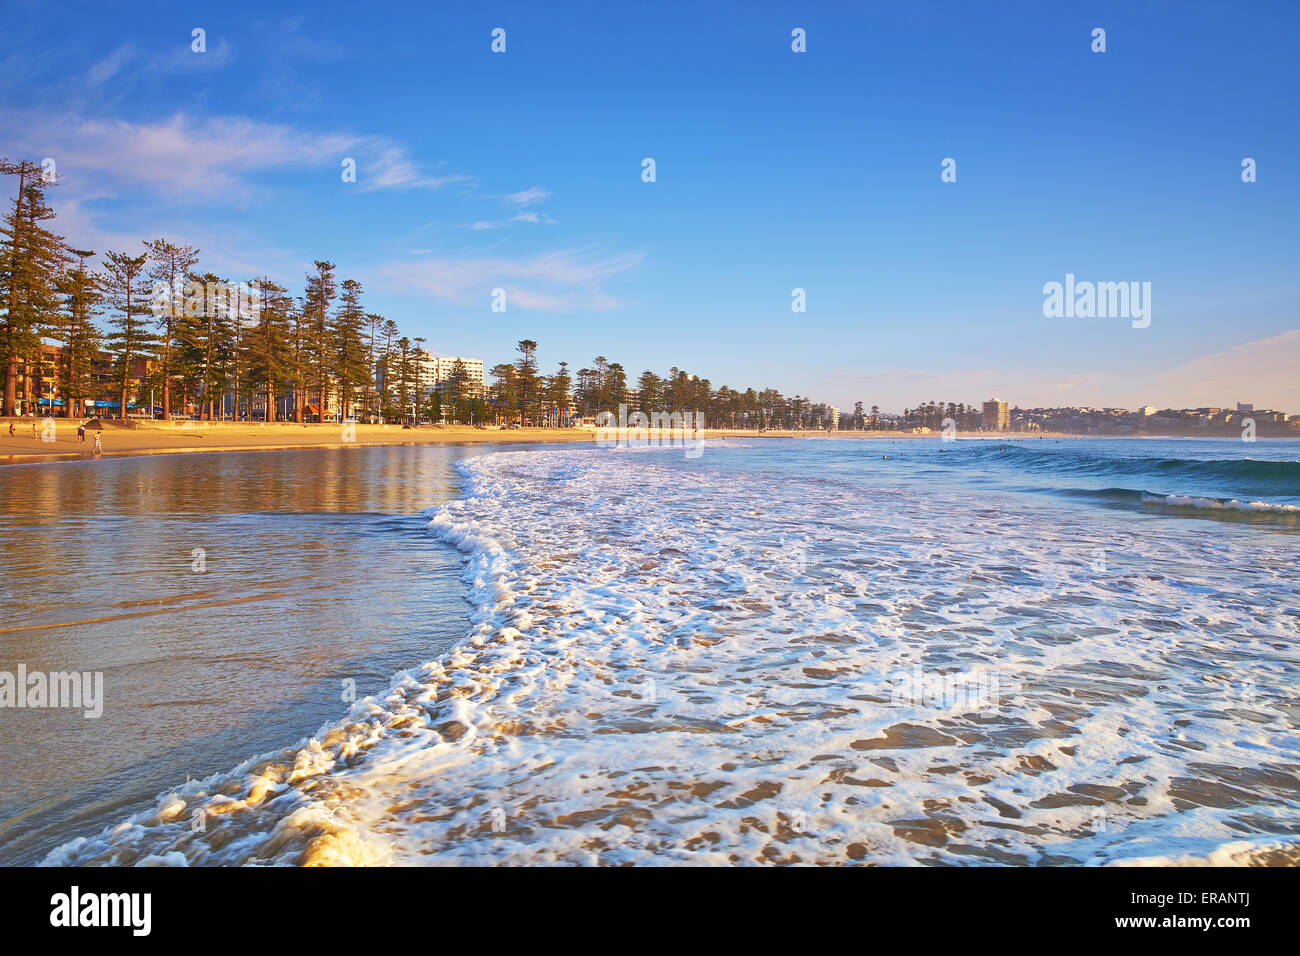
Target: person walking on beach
11 428
81 433
98 449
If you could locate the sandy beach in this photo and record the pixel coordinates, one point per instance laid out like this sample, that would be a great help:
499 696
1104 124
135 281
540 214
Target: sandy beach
165 438
161 438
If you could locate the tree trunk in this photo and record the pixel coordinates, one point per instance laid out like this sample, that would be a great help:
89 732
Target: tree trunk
126 377
11 372
11 387
72 365
166 377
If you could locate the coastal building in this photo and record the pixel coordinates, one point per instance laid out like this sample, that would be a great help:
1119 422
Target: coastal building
432 373
1206 421
39 385
997 416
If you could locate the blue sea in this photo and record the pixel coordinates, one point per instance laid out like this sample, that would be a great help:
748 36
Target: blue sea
912 652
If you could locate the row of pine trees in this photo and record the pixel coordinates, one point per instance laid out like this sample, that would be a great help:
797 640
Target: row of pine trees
536 399
200 352
283 352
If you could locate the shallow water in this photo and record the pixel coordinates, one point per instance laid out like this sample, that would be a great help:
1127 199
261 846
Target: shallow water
316 569
805 651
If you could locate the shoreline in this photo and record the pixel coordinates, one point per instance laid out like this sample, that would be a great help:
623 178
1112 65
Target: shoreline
181 437
184 437
174 438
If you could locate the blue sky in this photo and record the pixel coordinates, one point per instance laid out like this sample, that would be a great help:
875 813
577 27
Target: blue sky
775 170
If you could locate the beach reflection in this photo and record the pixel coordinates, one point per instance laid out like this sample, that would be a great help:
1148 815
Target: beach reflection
225 597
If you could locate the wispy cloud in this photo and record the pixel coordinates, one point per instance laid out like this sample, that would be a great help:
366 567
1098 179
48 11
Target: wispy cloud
567 281
522 200
183 59
103 70
393 168
229 249
1265 372
288 40
531 215
528 197
284 50
179 58
208 159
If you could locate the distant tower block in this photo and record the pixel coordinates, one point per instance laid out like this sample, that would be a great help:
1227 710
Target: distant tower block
997 416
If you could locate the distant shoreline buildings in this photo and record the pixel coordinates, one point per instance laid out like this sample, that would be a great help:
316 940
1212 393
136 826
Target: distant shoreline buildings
439 384
1147 420
994 416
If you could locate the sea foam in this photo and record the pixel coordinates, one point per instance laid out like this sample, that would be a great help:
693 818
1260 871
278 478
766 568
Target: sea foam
676 661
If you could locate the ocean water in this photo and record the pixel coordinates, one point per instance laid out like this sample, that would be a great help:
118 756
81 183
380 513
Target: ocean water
816 651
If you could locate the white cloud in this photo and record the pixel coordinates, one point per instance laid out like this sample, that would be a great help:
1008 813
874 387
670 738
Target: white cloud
393 168
567 281
529 215
528 197
103 70
205 159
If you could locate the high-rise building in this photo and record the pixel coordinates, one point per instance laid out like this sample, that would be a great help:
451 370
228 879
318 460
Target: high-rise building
997 416
432 372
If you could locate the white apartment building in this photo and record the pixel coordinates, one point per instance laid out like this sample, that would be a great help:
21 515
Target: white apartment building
432 372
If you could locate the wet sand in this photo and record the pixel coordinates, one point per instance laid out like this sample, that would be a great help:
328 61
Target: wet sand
318 569
162 438
175 437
